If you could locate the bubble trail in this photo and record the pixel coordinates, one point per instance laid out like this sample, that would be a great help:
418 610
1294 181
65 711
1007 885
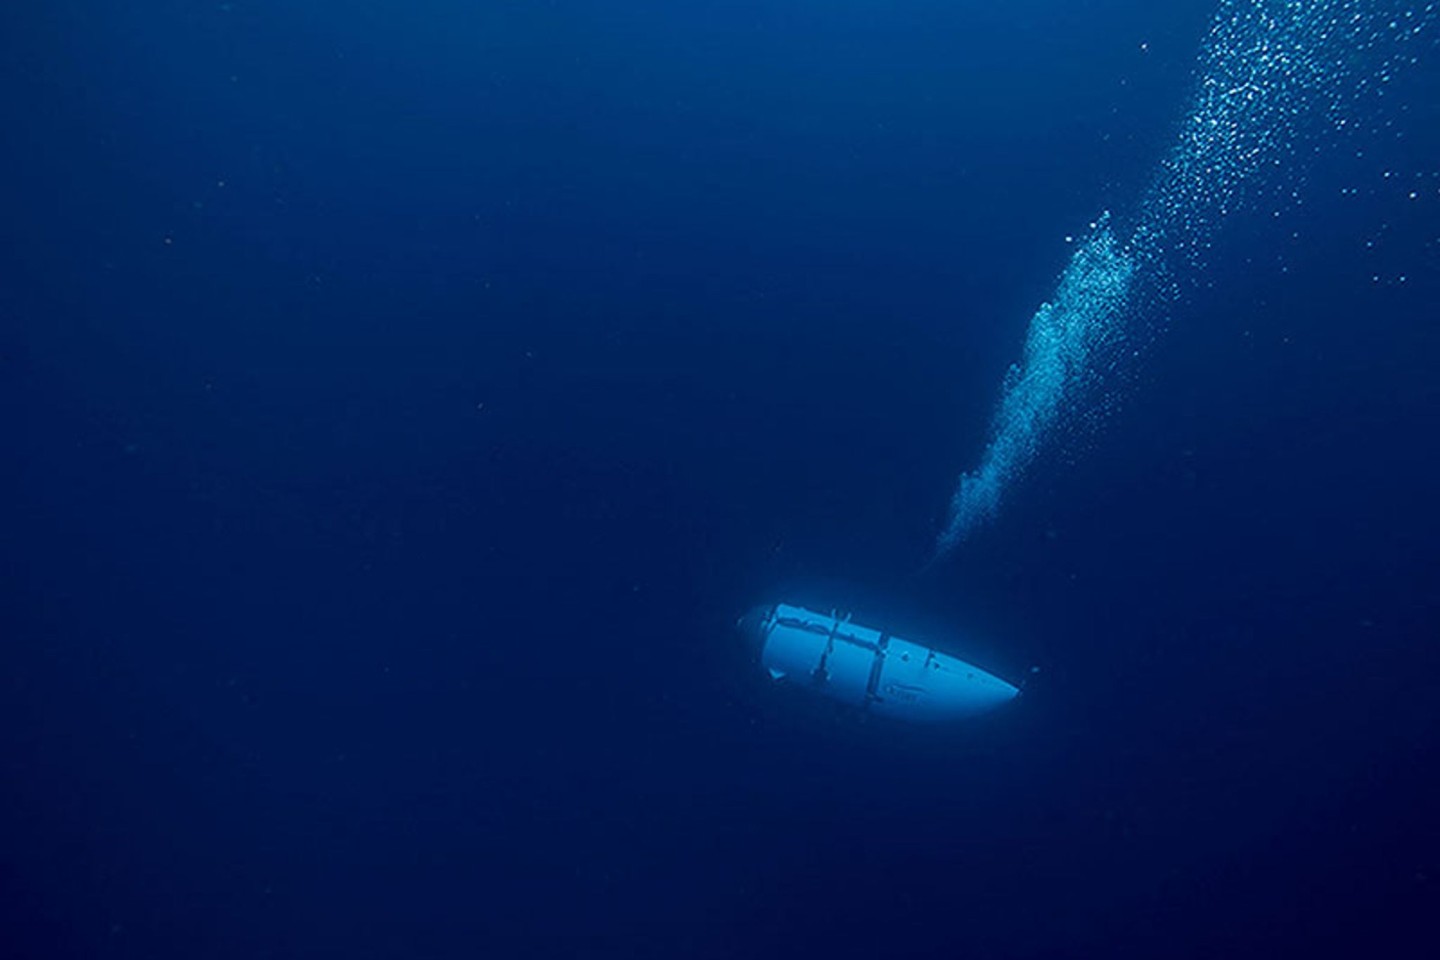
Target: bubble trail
1270 73
1082 320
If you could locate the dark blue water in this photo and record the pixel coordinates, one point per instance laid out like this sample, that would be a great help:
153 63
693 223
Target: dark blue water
404 399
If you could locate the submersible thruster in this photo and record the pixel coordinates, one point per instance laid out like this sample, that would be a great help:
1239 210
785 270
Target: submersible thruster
869 668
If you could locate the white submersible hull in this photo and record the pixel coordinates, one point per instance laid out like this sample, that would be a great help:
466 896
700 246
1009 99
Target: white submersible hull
869 668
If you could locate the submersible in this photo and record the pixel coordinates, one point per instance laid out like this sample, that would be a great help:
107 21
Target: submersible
868 668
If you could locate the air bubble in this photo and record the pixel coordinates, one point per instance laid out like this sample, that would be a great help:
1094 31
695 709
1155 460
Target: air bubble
1266 67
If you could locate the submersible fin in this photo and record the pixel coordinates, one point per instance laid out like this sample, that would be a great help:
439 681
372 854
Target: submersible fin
869 668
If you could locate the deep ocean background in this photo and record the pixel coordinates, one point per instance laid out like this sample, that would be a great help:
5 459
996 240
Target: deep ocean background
402 401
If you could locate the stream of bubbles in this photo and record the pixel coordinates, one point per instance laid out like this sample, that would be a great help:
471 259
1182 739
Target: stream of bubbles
1270 74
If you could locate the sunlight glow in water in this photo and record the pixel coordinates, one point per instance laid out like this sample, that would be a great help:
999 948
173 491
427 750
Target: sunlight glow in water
1270 75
